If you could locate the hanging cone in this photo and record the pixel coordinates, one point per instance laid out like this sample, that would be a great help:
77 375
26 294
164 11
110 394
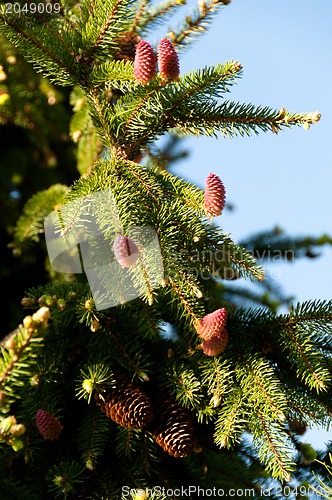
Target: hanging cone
212 324
125 251
214 196
144 62
174 430
126 405
168 61
48 426
216 345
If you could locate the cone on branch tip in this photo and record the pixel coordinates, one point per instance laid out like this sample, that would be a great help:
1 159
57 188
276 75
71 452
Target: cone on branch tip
126 405
174 430
125 251
212 324
48 426
168 61
214 196
216 345
144 62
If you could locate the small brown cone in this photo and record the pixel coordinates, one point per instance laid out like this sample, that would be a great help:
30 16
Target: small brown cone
174 430
127 44
126 404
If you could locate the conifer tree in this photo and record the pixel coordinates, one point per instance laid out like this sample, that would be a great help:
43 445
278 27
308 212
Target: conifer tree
136 372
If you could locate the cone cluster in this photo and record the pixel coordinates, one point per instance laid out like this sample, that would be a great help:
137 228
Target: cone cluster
48 426
126 405
146 61
212 331
214 196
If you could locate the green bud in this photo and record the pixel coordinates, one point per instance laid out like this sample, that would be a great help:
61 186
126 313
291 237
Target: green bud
17 444
88 385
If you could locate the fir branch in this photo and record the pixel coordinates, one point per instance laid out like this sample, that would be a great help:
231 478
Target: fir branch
114 75
274 449
196 23
232 419
157 15
93 434
310 365
185 385
23 344
34 44
217 376
184 301
162 106
107 20
232 119
262 388
30 224
140 11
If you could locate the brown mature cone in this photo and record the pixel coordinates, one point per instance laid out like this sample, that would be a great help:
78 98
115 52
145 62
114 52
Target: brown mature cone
126 404
174 430
127 46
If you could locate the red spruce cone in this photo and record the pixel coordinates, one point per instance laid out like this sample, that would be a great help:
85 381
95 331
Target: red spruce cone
214 196
125 251
168 61
126 405
144 62
216 345
212 324
48 426
175 431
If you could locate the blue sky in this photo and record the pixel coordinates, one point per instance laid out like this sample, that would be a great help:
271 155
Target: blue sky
280 179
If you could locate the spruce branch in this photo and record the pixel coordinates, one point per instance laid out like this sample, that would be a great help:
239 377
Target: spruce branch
113 75
231 119
34 42
155 16
232 419
30 224
196 23
21 345
310 366
274 448
107 20
159 107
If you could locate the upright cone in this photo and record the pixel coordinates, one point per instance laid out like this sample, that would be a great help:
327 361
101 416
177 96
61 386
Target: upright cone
212 324
214 196
144 62
168 61
48 426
